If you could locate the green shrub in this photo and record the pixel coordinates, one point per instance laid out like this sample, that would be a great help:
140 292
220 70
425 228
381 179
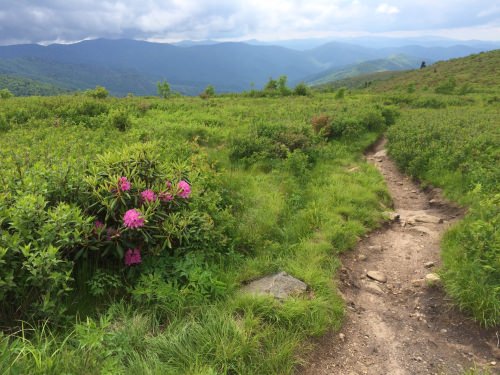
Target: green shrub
5 94
36 248
301 89
120 120
98 93
4 124
340 94
164 90
447 87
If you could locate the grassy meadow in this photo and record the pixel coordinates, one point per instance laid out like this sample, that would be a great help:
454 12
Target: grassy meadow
128 225
268 192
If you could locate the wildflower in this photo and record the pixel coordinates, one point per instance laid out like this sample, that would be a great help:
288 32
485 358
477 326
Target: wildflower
133 219
148 195
133 256
124 184
166 197
184 190
98 225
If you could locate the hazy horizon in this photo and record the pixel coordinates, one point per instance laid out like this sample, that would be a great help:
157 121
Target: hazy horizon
55 21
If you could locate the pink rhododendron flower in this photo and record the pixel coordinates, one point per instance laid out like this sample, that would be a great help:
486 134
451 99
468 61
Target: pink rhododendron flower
133 219
166 197
148 195
98 224
133 256
184 190
124 184
169 184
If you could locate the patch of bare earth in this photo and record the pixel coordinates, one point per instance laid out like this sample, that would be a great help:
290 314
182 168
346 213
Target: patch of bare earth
400 324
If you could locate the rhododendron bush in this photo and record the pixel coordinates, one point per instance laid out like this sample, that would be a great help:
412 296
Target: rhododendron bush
134 208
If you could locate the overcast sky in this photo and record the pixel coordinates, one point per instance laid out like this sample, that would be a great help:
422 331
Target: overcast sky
43 21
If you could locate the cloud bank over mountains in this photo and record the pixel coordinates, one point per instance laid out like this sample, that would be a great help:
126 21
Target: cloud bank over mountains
38 21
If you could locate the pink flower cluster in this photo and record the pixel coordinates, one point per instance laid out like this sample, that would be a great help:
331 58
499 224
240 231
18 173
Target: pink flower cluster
133 219
133 256
184 190
148 195
124 184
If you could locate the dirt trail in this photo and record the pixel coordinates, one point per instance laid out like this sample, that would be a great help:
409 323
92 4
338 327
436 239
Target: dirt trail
402 326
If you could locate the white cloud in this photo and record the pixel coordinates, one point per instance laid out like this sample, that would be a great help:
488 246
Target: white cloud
45 20
387 9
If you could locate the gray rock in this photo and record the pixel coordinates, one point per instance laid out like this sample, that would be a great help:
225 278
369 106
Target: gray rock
280 286
380 154
422 230
373 289
432 279
429 264
362 257
375 248
377 276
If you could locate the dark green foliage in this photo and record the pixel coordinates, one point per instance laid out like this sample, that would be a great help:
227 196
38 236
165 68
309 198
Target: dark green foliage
27 87
5 94
301 89
164 90
209 92
120 119
340 94
98 93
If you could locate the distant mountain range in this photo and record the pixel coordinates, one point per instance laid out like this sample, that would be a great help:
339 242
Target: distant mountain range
130 66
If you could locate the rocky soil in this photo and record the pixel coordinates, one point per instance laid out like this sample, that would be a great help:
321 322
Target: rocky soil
399 320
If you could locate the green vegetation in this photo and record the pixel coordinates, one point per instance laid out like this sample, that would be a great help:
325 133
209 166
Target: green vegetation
28 87
130 225
478 73
458 149
452 140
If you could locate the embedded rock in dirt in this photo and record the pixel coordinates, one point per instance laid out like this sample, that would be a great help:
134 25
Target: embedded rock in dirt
373 288
377 276
432 278
413 217
280 286
422 230
381 154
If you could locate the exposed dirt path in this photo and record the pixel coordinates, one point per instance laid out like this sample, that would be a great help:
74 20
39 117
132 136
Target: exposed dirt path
403 325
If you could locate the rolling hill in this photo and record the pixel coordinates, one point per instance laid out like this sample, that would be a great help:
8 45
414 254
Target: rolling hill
392 63
479 71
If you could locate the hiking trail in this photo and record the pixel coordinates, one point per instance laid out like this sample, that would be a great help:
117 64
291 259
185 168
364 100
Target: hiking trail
401 324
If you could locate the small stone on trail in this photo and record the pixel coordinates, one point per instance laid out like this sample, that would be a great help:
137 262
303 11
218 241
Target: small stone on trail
429 264
432 278
399 183
342 337
375 248
493 363
362 257
374 289
380 154
443 330
422 230
377 276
